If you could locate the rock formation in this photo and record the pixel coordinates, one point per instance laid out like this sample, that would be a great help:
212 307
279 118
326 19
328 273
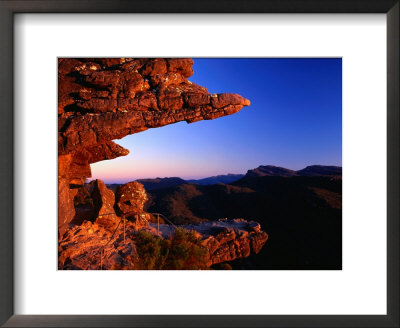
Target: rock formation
130 198
233 239
88 247
129 203
91 247
103 203
226 240
100 100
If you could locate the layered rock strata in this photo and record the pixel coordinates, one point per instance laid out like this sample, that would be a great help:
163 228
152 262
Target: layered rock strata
226 240
95 202
103 203
100 100
91 247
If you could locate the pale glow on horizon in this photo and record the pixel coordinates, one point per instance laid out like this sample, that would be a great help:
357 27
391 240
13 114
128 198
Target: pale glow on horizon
130 168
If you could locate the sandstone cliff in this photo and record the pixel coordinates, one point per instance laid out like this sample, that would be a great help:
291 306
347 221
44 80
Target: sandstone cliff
91 247
100 100
226 240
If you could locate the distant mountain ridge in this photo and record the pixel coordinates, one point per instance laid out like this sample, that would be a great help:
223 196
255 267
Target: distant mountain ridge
312 170
261 171
159 183
270 170
316 170
226 179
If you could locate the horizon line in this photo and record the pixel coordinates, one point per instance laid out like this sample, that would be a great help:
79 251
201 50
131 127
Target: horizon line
200 178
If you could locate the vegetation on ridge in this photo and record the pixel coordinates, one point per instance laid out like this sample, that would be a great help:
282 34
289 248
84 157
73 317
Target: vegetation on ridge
182 251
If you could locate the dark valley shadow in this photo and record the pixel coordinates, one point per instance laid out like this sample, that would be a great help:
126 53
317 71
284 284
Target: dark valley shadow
301 214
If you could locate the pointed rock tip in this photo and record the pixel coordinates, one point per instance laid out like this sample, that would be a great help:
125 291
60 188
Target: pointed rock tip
246 102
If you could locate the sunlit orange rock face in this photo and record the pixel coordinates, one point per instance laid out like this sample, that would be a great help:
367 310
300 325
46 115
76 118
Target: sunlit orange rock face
237 239
90 246
100 100
87 247
226 240
130 200
103 203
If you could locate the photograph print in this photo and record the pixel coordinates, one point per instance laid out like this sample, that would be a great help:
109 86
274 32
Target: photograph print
199 164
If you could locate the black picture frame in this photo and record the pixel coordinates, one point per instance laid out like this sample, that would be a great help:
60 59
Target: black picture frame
11 7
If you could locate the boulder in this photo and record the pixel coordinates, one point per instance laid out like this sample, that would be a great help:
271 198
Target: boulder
103 203
130 200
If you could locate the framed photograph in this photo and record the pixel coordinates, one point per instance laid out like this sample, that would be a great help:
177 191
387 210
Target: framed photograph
203 164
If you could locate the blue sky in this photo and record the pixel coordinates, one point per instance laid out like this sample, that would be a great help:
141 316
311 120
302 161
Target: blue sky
295 120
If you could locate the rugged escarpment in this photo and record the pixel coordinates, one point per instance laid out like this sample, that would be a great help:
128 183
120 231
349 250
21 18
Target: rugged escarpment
104 240
225 240
91 247
100 100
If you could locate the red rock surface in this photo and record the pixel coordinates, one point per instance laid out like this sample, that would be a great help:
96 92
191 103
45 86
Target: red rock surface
91 247
103 99
233 243
226 240
130 200
66 209
103 203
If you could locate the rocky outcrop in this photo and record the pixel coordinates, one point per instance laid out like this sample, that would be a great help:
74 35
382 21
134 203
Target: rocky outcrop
97 203
100 100
103 203
66 209
129 202
130 198
230 240
92 247
226 240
